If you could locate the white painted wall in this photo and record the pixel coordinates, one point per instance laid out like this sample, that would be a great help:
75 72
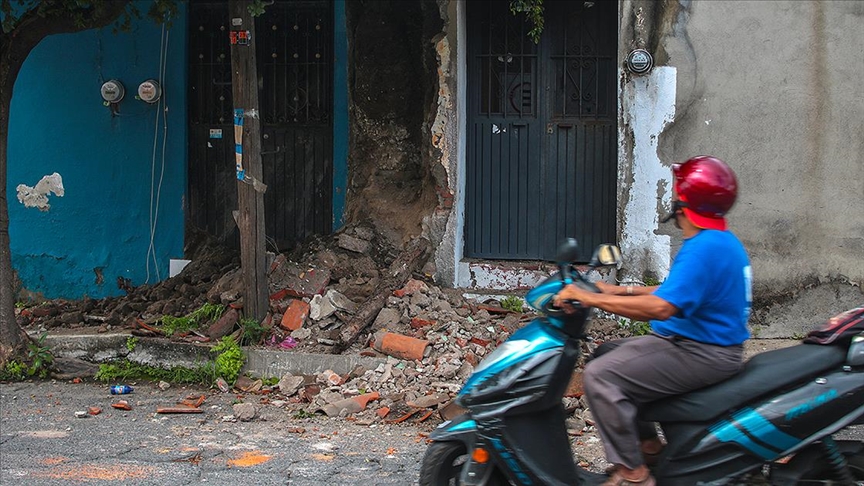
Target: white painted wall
647 108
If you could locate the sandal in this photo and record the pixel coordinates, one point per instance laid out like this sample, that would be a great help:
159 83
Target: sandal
616 479
650 458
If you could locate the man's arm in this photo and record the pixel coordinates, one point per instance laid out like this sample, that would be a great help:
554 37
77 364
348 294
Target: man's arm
643 306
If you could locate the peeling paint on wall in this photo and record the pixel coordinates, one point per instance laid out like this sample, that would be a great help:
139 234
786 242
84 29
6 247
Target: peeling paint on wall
648 108
37 197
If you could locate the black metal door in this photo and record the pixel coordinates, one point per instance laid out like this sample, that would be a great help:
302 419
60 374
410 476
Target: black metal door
295 72
542 134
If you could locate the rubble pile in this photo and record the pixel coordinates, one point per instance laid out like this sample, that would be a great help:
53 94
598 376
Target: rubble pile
430 338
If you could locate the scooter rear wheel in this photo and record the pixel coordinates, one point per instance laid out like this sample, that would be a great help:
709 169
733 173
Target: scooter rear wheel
442 465
856 469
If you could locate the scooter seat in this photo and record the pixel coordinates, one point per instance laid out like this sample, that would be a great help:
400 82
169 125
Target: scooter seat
761 375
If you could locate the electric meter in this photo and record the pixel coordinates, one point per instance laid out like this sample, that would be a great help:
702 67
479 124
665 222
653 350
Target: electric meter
150 91
639 61
112 91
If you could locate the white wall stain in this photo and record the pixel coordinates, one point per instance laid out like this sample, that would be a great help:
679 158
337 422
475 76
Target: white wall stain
37 197
648 104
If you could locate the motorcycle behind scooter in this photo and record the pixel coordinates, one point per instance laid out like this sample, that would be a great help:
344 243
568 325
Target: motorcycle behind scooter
773 423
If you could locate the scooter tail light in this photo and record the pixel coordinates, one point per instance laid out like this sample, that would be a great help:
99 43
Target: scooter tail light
480 455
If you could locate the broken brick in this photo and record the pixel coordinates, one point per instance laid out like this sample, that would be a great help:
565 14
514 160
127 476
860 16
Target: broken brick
574 388
418 323
350 405
428 400
122 405
295 315
481 342
411 287
400 346
225 325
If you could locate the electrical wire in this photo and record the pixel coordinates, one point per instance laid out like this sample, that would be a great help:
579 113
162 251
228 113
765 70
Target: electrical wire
164 100
155 192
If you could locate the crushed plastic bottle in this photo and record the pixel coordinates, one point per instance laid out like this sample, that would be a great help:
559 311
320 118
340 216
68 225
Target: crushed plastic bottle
121 389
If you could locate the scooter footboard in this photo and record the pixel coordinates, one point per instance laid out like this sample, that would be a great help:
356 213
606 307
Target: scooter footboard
540 443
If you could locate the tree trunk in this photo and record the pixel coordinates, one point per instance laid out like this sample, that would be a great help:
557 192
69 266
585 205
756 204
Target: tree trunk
11 335
250 220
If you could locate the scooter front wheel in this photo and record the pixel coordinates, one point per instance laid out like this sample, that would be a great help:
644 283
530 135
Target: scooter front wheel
442 465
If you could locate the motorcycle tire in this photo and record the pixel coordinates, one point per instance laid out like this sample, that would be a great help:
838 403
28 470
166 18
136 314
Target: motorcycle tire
442 465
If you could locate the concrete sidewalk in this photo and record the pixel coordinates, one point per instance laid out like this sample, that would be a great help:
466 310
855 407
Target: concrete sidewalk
260 362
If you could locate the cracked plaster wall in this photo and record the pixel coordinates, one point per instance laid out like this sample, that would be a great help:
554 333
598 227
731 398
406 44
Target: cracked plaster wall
776 97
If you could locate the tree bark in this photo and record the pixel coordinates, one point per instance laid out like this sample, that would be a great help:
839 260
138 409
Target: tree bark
15 46
11 336
250 220
412 258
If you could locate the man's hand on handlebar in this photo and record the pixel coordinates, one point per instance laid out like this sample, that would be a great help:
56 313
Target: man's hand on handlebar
569 294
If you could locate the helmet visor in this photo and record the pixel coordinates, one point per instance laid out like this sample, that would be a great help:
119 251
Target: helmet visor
705 222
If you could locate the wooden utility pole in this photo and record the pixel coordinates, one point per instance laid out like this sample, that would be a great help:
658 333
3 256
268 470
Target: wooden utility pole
247 137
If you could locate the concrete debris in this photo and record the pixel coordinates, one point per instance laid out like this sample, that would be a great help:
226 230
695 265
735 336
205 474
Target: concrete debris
351 243
320 307
222 385
245 412
340 302
289 385
388 317
248 385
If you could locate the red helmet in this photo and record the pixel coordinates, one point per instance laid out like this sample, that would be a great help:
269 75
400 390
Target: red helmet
708 188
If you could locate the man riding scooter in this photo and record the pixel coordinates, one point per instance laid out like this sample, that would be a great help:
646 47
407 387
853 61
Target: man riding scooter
698 318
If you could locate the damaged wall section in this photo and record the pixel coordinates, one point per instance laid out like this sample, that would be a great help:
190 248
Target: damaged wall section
393 94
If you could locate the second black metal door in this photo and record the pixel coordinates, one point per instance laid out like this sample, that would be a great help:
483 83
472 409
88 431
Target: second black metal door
542 131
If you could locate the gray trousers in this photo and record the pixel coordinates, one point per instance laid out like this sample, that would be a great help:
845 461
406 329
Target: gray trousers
638 370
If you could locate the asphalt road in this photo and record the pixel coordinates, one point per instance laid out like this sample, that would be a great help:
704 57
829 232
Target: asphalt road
43 443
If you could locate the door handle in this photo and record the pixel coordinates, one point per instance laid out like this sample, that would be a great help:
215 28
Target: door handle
519 124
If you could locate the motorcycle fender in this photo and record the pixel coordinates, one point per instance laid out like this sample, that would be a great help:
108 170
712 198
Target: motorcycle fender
462 428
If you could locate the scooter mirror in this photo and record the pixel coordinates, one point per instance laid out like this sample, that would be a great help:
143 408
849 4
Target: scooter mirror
568 251
606 255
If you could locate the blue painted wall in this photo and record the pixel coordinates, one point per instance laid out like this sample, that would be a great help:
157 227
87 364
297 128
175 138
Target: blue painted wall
111 171
340 113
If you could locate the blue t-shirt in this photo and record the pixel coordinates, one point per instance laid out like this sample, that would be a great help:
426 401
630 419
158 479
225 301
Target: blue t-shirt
710 283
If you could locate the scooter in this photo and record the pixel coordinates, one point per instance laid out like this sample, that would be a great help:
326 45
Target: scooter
772 423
